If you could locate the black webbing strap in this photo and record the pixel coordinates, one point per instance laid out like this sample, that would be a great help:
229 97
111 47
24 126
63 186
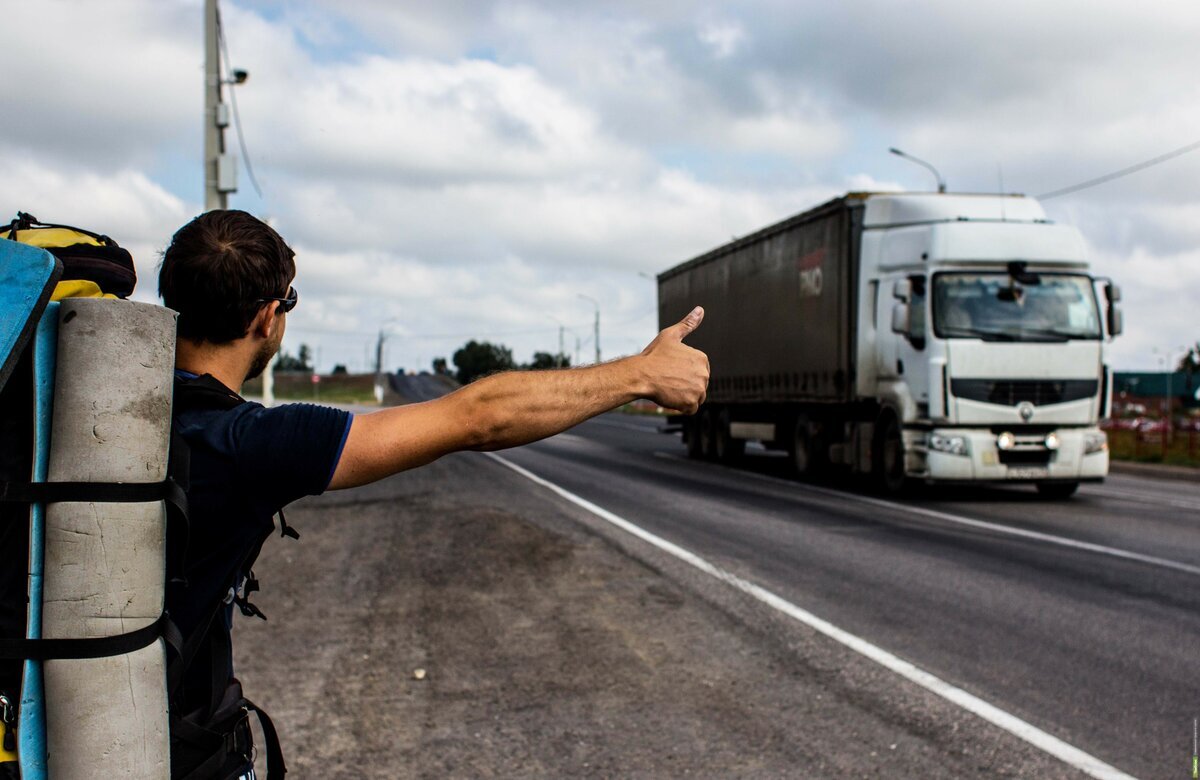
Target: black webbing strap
93 492
91 647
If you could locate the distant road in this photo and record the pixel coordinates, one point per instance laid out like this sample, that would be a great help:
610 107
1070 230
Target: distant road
1081 618
420 387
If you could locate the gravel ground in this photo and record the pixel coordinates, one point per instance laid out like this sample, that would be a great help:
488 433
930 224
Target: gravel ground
457 621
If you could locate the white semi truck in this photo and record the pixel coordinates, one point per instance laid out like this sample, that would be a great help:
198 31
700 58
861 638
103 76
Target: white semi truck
909 337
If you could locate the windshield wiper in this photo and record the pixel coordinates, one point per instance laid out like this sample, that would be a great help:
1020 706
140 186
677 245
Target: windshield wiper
1053 333
983 333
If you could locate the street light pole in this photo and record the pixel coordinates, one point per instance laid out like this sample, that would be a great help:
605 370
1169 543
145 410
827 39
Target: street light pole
597 332
941 184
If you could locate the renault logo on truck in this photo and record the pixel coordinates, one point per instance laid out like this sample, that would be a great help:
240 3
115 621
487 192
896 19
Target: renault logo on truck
811 277
1025 409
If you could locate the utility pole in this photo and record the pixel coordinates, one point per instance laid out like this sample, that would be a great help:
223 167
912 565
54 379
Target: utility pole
220 169
597 326
561 355
379 367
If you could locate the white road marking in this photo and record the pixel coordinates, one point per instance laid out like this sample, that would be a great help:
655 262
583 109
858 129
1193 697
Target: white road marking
1061 541
1068 754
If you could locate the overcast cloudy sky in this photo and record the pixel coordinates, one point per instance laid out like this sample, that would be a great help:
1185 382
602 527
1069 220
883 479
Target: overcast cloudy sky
467 169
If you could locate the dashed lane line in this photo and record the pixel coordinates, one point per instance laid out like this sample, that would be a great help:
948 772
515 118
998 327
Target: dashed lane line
1048 743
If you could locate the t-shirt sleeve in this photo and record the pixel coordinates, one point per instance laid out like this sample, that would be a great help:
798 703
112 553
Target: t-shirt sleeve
290 451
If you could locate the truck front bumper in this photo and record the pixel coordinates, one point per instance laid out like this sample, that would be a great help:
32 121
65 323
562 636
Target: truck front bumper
976 455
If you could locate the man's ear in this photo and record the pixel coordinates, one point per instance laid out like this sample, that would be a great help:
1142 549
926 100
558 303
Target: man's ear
264 323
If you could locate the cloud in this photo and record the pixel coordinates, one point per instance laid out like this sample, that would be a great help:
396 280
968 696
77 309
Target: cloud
136 212
722 37
474 166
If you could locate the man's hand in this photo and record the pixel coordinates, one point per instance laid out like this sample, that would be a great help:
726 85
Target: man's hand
678 374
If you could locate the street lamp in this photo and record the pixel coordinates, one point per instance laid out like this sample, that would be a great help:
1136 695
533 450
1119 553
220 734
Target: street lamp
941 184
558 360
597 333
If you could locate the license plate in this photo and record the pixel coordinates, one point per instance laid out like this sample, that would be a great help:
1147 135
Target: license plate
1028 473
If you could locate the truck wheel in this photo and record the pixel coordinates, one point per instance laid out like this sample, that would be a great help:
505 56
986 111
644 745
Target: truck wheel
802 449
692 432
887 459
1057 491
726 448
708 434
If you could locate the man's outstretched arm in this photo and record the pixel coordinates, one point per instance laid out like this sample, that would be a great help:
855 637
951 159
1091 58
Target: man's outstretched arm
515 408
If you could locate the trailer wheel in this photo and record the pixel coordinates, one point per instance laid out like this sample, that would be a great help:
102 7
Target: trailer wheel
726 448
1057 491
708 434
691 435
887 459
801 450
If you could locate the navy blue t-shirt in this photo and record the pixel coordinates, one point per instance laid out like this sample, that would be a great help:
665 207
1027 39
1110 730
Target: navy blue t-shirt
247 463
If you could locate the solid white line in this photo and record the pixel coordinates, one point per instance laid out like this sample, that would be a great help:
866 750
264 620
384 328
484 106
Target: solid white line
1061 541
1048 743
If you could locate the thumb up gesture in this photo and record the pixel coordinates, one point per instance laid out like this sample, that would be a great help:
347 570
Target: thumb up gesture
678 374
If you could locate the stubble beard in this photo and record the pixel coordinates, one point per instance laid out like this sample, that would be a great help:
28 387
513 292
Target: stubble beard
265 353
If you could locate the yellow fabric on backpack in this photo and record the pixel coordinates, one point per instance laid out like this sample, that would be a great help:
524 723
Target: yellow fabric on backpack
78 288
52 237
6 756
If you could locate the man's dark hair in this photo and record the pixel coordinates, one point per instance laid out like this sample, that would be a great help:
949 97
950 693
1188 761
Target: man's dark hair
217 268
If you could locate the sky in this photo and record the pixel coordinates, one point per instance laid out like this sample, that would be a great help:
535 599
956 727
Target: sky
457 170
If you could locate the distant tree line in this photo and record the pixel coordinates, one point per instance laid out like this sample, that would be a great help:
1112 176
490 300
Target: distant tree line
1190 362
477 359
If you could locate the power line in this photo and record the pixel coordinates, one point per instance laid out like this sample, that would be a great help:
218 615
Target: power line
237 117
1123 172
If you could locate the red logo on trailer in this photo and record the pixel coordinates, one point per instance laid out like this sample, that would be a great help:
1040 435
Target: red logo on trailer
811 277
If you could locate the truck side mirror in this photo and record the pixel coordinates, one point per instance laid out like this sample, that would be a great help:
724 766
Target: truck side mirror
901 318
902 290
1112 292
1116 321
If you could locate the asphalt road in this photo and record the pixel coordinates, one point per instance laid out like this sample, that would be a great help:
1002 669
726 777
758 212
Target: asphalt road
1080 617
553 643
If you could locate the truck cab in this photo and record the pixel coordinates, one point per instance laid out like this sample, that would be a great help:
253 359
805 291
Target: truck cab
983 337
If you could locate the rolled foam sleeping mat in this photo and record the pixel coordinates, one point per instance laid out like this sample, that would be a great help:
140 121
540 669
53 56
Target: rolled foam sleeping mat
105 562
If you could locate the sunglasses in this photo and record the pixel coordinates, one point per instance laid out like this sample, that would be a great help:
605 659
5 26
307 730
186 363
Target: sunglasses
285 304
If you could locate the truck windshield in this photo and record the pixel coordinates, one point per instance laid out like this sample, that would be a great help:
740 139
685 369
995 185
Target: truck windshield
999 307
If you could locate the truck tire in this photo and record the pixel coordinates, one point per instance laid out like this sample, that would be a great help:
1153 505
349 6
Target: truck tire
801 449
1057 491
887 457
692 437
726 448
708 434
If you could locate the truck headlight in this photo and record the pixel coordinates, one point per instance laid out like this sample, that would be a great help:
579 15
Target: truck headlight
1006 441
1095 441
1052 441
954 445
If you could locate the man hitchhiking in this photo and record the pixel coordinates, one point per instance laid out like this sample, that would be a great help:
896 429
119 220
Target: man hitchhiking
229 276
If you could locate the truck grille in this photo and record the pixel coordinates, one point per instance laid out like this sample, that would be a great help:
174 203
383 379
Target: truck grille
1010 392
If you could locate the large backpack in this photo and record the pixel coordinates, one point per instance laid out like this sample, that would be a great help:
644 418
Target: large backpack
206 743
